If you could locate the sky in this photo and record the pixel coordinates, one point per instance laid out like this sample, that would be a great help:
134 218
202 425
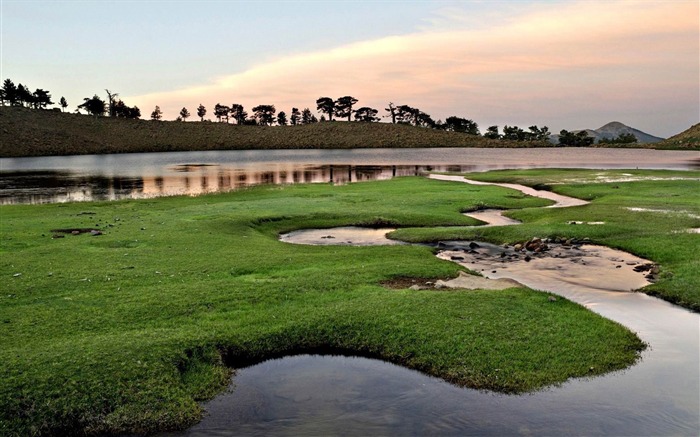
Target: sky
571 64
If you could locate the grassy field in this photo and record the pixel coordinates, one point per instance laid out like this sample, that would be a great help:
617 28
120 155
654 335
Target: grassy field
125 332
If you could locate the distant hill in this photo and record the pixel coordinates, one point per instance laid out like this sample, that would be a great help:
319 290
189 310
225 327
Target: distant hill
615 129
688 139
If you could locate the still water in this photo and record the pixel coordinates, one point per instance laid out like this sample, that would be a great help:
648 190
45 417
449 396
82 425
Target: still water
146 175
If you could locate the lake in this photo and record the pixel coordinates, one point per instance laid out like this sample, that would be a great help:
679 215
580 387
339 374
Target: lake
147 175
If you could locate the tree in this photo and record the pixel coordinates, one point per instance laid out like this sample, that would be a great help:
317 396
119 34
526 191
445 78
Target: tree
9 92
624 138
538 134
492 133
575 139
24 96
392 112
343 106
459 124
326 105
41 99
513 133
307 117
111 99
238 113
221 112
294 118
264 114
282 118
366 114
157 114
94 106
409 115
64 104
201 112
184 114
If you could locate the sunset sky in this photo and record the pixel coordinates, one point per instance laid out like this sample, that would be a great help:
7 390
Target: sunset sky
564 64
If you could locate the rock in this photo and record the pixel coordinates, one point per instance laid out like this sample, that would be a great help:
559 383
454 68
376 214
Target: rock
552 299
474 245
527 258
518 247
457 258
415 287
95 232
76 232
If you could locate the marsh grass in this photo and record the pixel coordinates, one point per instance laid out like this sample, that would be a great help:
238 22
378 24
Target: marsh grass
125 332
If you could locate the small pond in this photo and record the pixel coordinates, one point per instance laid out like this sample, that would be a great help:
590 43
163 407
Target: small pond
145 175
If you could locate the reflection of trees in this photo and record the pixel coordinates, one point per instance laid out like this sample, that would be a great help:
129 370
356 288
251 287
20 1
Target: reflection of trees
53 186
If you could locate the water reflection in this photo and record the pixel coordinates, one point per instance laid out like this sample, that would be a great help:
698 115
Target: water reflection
34 187
143 175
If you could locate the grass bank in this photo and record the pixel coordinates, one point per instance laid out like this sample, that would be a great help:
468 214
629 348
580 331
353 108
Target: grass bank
125 332
647 213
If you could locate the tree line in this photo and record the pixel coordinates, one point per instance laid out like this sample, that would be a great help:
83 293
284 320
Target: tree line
327 107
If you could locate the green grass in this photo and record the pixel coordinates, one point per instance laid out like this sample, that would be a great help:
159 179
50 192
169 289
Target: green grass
127 331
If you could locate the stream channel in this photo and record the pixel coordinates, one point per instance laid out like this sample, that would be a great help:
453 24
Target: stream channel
334 395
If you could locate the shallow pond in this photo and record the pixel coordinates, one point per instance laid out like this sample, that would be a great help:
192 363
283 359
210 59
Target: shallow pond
144 175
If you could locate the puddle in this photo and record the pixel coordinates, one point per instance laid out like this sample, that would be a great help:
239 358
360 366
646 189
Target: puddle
343 236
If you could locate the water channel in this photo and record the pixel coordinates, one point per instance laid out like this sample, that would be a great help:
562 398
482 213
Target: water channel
145 175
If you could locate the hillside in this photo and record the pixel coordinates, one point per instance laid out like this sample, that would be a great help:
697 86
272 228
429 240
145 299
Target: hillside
688 139
28 132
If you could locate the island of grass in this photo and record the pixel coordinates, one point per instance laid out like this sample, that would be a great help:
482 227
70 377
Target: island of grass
124 330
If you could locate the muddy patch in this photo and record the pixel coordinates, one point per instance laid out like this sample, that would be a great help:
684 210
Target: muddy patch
555 267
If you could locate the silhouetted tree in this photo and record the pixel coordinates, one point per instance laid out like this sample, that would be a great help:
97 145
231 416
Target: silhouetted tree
41 99
282 118
459 124
492 132
538 134
295 116
184 114
307 117
8 93
157 114
264 114
575 139
94 106
414 116
513 133
343 106
366 114
624 138
24 96
326 105
111 99
238 113
392 112
201 112
64 104
221 112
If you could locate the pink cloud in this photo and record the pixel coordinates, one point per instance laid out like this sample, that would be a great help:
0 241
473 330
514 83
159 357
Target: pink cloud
535 63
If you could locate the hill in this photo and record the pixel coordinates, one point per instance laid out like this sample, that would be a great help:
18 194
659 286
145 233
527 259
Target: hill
688 139
27 132
615 129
